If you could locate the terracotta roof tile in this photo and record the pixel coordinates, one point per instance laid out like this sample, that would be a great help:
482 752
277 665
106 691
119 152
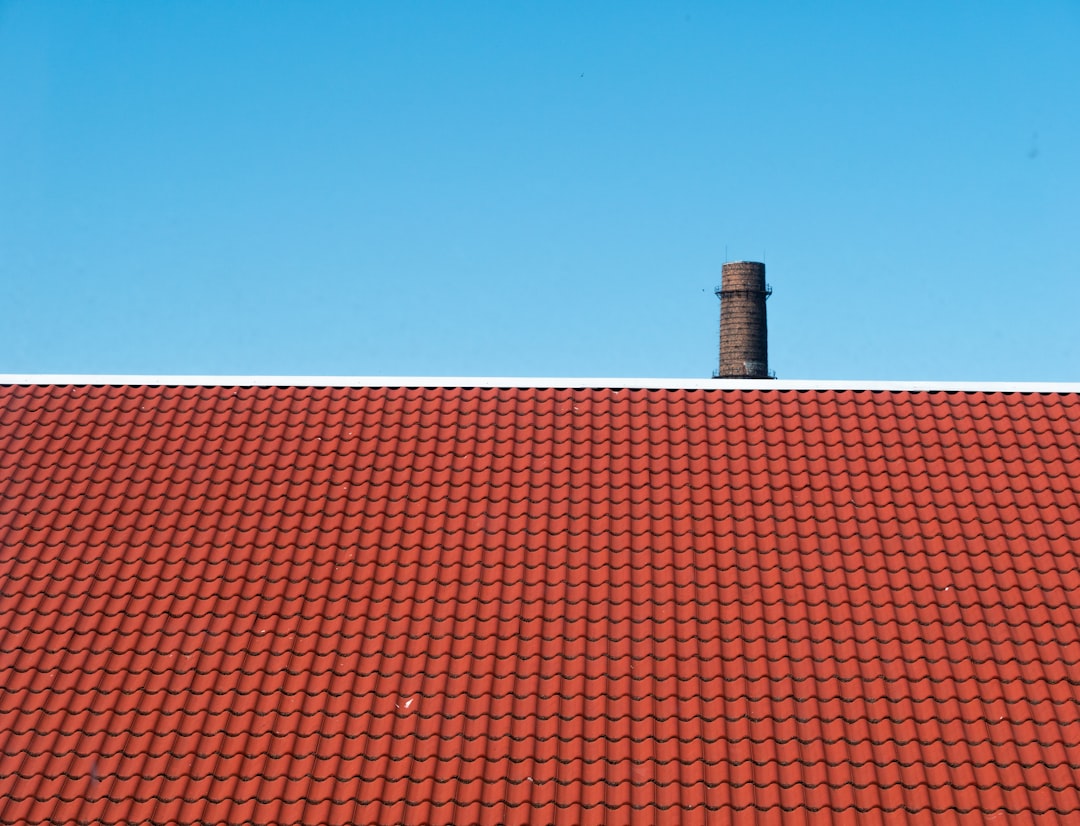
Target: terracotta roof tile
536 605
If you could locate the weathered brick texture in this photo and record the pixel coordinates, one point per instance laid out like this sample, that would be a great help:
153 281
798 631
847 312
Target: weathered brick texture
744 333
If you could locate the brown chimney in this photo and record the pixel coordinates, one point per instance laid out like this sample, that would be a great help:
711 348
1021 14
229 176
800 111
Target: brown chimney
744 332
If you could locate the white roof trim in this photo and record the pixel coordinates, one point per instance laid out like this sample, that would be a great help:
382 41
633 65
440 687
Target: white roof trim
458 381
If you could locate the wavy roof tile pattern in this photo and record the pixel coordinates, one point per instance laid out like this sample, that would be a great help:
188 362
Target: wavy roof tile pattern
525 605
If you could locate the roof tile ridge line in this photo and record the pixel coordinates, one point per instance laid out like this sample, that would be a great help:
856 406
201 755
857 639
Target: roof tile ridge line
225 380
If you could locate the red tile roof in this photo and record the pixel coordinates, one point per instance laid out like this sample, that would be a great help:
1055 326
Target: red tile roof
499 606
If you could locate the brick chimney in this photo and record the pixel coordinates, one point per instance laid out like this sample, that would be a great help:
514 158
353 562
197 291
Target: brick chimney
744 332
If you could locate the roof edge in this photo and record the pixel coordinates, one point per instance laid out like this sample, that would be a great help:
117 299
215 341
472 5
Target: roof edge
545 382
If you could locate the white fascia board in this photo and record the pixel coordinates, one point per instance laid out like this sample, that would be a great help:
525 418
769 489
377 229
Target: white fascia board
583 383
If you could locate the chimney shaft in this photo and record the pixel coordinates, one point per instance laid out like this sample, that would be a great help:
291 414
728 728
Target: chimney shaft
744 333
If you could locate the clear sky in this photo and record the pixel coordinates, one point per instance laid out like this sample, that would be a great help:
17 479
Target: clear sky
538 188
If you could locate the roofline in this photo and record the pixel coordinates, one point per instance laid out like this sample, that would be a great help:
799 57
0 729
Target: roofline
583 383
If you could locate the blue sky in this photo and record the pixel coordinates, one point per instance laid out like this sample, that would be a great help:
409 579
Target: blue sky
538 189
